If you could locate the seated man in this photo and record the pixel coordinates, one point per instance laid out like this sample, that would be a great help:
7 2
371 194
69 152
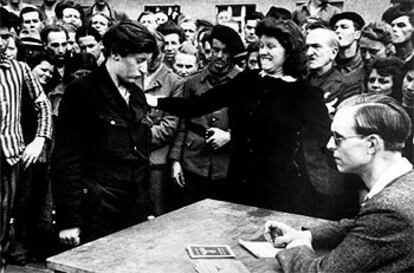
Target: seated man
381 237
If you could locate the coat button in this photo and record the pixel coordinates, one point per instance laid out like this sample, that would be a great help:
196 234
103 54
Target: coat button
85 191
112 122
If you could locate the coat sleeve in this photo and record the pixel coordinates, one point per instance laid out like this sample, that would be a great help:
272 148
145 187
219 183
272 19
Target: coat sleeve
165 131
195 106
42 104
375 239
67 159
177 146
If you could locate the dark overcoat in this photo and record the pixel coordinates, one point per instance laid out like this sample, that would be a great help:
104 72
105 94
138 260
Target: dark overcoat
100 161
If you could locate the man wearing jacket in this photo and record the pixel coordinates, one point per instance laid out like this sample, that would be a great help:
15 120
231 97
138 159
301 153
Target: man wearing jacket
161 81
368 134
100 161
200 161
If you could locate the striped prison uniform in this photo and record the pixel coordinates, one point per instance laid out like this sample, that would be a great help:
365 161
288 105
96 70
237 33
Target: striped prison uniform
15 78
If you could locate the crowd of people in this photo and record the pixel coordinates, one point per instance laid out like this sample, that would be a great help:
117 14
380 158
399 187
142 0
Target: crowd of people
108 120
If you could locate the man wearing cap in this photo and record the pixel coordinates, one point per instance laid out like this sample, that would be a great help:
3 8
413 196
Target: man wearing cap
347 26
200 154
401 20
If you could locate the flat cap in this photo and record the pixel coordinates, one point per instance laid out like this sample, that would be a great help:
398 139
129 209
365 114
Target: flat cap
353 16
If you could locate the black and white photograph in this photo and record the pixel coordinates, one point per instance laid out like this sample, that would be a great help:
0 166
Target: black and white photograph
138 136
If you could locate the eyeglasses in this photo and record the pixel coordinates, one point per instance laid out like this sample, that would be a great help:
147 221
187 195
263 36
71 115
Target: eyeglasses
338 138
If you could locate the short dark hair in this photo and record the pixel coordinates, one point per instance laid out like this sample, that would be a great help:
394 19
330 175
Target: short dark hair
381 115
170 27
318 23
30 9
127 37
291 38
61 6
255 15
40 56
88 31
52 28
378 31
390 66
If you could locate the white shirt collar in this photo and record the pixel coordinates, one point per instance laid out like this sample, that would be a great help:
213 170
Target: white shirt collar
398 169
283 78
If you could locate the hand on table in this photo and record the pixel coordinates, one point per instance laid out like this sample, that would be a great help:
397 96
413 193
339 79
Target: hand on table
281 235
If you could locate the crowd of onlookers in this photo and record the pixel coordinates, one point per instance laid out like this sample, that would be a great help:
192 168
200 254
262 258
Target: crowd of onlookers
189 158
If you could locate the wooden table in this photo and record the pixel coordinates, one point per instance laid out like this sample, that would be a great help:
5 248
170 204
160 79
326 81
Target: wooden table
158 246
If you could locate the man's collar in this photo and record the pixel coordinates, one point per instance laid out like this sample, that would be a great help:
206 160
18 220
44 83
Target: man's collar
5 63
205 73
396 170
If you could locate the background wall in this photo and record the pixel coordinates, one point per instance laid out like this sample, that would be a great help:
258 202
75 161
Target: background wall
371 10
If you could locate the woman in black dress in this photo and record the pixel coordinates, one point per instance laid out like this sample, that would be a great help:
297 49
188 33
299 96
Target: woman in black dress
268 109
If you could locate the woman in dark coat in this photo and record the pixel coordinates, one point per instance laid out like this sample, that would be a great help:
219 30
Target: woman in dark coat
268 110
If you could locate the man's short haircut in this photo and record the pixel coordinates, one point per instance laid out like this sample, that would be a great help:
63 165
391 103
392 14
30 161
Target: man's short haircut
170 27
52 28
378 31
126 37
332 37
4 18
88 31
255 15
188 48
279 13
30 9
381 115
318 23
61 6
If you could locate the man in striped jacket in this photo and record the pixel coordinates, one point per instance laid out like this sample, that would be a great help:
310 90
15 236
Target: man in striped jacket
15 78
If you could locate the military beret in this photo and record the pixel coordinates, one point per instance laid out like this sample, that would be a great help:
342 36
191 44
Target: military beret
396 11
353 16
230 38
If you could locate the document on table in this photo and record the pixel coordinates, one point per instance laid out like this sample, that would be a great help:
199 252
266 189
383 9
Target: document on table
260 249
220 266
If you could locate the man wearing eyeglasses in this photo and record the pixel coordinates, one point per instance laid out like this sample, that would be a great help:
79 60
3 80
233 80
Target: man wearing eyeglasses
368 134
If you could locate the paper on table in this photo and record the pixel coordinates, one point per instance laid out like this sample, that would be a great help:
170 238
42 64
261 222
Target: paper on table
260 249
220 266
